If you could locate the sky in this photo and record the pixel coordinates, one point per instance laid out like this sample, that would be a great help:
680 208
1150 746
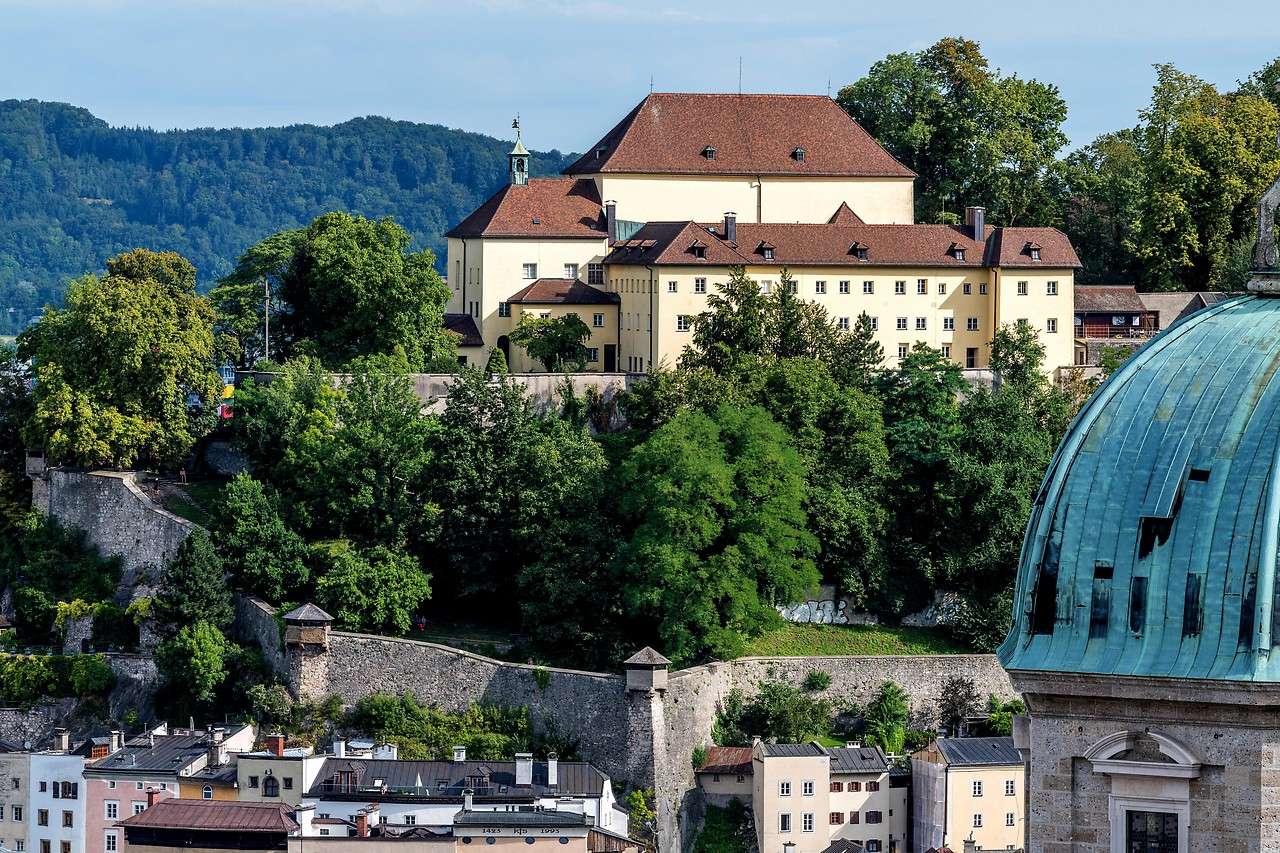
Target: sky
572 68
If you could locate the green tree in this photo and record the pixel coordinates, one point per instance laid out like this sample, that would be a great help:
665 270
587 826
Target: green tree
643 817
265 556
194 662
194 587
959 701
375 590
347 287
126 372
1264 83
973 135
858 359
714 509
778 711
91 676
497 363
886 717
16 409
735 326
558 342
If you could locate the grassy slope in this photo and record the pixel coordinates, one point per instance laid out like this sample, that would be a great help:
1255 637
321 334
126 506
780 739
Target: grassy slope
795 640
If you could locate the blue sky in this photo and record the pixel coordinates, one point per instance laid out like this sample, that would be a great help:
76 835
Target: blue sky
573 67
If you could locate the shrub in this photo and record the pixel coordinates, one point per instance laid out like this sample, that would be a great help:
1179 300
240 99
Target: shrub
816 682
91 676
699 757
777 711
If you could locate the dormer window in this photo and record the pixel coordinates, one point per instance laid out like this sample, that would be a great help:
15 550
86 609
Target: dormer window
1033 249
709 153
699 249
797 154
957 252
768 254
600 152
859 250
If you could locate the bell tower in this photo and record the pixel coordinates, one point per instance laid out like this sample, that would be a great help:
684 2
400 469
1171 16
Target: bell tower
518 159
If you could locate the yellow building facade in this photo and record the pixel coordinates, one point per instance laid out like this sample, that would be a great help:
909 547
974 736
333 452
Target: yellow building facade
968 788
793 172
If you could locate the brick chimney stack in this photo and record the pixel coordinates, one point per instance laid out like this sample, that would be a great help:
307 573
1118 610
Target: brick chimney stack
153 796
275 744
362 824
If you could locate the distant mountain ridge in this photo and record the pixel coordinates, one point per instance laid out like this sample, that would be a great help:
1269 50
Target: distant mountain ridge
74 191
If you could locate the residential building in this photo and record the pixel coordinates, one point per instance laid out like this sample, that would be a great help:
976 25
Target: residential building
15 785
1143 632
1118 316
631 237
726 775
431 793
55 809
968 789
173 825
215 777
813 796
118 784
277 774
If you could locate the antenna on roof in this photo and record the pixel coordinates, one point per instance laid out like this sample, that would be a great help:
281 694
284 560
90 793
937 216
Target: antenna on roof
828 87
739 74
650 84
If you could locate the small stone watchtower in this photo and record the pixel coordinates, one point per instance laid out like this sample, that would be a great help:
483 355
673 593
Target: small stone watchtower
306 640
647 671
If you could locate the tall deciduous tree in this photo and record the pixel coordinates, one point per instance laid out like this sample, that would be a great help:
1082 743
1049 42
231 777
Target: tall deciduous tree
972 134
264 555
558 342
127 371
346 287
374 590
16 408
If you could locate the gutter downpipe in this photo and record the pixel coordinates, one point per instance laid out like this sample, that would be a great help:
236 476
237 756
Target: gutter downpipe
653 294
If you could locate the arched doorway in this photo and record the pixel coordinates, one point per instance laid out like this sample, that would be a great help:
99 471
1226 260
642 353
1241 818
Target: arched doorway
504 344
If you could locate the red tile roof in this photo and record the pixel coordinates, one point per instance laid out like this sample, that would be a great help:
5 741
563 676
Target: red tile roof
1108 298
545 207
844 215
752 135
1013 248
833 244
227 815
567 291
729 760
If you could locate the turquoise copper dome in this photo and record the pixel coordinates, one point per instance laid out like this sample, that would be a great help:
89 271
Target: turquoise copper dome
1152 544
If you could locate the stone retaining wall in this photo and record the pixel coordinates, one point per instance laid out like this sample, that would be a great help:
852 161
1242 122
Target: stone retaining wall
255 622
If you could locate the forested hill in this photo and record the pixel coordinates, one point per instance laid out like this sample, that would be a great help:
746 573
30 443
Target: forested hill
75 191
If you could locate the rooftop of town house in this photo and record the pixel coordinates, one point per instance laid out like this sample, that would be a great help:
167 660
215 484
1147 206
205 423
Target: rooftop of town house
449 779
1152 549
725 134
978 751
1107 299
844 759
730 760
547 818
843 243
169 754
543 208
214 815
562 291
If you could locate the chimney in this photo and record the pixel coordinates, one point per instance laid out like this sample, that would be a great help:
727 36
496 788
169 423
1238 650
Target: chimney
219 734
153 796
524 768
731 227
151 738
468 799
62 740
553 769
611 220
339 748
755 740
976 219
275 744
459 753
117 740
362 824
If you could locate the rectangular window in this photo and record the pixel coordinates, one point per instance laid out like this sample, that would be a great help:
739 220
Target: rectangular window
288 783
784 788
899 287
946 350
17 812
1010 788
977 787
139 808
902 322
64 847
504 310
968 288
872 787
842 323
44 845
766 286
1051 288
875 817
111 783
948 324
1008 819
982 290
922 286
855 817
868 287
410 820
784 822
593 354
683 323
595 273
1137 604
942 288
324 831
1151 831
971 324
597 320
42 817
570 270
837 787
793 287
844 287
806 787
902 351
836 818
253 781
113 810
673 287
820 287
17 783
875 323
971 357
1051 325
530 271
699 285
873 845
921 324
977 821
806 822
67 819
1022 288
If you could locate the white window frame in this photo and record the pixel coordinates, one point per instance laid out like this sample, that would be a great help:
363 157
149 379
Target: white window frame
699 285
922 324
684 322
1010 819
875 323
899 288
597 321
784 821
111 810
784 788
968 288
946 350
948 324
901 323
977 820
1050 288
806 788
971 325
977 787
903 351
1023 288
1010 788
807 822
820 288
922 286
571 271
842 323
529 272
868 287
206 793
595 273
1051 325
673 287
110 841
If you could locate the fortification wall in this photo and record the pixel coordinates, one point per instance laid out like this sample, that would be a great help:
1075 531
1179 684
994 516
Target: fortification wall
116 517
255 622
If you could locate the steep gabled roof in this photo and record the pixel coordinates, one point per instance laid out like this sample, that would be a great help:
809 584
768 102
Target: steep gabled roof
844 215
668 133
309 613
1107 298
978 751
545 207
1012 248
